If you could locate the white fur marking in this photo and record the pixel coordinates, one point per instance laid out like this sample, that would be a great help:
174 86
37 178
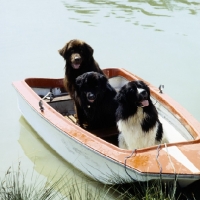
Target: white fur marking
133 135
140 90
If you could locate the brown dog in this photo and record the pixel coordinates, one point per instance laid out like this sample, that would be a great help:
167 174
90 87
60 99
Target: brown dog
79 59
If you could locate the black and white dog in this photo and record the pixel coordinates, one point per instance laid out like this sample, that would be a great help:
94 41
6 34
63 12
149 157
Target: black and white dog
137 117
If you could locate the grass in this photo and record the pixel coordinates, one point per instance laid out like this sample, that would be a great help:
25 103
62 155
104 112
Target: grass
14 186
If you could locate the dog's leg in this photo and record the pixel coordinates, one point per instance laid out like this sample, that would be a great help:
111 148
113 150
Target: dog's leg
80 116
122 143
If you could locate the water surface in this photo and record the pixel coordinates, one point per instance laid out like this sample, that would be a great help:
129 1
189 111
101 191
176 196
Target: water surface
157 40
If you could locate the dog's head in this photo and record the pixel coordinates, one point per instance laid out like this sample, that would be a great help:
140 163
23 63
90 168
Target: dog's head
75 52
90 86
135 93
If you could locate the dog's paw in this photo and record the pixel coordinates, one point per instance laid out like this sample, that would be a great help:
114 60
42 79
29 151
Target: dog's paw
121 142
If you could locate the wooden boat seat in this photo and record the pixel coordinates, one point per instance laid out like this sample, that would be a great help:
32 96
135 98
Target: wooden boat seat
58 98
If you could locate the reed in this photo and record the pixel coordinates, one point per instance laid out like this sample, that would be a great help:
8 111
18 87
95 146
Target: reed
14 186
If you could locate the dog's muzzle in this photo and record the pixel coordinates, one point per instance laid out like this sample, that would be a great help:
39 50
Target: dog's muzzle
76 60
90 97
143 97
144 103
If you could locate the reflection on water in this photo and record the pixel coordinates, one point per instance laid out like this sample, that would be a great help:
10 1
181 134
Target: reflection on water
48 163
130 10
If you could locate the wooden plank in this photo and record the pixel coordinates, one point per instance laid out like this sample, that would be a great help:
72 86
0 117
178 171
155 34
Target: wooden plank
72 118
58 98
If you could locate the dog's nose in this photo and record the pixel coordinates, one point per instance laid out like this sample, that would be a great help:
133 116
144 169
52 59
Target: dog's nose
91 97
77 58
144 94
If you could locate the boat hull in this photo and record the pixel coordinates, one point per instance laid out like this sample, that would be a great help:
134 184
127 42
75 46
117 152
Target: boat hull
101 160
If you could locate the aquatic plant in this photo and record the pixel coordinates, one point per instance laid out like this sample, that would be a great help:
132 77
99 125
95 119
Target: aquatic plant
16 185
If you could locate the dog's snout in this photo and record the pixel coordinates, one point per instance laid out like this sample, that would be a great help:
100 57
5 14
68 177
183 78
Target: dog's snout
77 58
91 96
144 94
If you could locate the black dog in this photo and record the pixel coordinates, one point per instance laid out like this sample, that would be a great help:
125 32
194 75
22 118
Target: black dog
94 100
137 117
79 59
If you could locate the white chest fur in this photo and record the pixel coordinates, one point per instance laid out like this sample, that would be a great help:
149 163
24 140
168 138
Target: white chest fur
132 135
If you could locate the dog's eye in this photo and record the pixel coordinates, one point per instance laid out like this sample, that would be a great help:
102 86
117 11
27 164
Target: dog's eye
71 50
131 90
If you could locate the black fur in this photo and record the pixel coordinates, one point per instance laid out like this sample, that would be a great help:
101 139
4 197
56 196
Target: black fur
94 100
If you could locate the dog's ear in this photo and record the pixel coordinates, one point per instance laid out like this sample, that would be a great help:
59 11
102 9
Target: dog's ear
120 97
103 79
88 50
147 88
63 52
103 82
79 81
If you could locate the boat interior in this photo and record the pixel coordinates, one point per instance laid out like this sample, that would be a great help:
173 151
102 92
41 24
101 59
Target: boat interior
60 100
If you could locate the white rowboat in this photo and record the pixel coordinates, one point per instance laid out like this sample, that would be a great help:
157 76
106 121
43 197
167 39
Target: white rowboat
49 110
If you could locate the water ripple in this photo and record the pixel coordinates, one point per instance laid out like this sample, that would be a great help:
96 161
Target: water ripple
145 13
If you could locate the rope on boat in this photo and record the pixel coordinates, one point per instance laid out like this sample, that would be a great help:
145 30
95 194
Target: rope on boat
134 151
175 178
170 158
158 150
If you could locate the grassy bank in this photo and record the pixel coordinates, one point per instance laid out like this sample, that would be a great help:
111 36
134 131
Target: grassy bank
14 186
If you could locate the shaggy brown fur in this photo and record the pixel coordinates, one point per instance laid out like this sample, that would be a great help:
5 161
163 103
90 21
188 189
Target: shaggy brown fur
79 59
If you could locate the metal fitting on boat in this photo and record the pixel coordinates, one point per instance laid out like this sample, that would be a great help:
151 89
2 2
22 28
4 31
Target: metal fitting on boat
41 106
160 88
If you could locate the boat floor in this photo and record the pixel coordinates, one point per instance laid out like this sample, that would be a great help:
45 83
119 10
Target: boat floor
65 106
